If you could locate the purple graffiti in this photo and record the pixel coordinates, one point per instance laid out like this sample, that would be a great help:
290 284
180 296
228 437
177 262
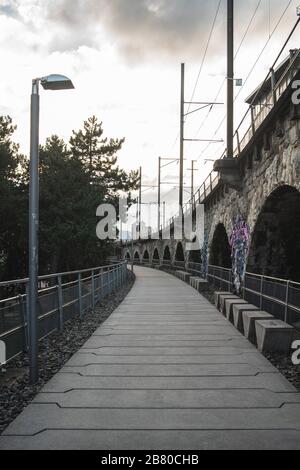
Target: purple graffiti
239 243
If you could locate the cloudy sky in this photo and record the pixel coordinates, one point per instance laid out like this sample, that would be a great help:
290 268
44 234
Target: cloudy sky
124 59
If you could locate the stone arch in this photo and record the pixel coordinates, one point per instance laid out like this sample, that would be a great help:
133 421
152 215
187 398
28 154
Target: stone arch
136 256
146 256
155 257
167 254
220 253
194 256
179 253
275 241
128 255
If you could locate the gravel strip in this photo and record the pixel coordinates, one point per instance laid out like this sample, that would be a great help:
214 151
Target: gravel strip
54 351
286 367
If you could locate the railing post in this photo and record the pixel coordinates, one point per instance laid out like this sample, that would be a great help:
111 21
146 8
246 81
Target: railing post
273 83
101 283
117 277
109 281
80 294
60 303
252 121
27 312
238 142
287 301
261 292
93 290
25 323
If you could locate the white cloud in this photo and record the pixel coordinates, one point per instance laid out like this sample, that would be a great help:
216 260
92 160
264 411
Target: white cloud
123 57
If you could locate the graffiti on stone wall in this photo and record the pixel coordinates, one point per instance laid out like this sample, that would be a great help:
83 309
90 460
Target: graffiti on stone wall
239 243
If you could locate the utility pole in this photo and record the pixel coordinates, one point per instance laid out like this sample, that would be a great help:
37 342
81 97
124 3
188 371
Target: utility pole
230 76
164 214
181 137
140 203
192 178
158 194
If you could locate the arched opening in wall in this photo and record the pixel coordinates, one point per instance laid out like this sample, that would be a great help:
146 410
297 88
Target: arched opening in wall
195 255
275 245
118 253
136 256
128 255
146 256
220 253
155 256
167 254
179 254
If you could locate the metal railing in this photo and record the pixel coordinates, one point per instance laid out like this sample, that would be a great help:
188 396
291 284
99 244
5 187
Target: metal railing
280 297
61 297
220 278
191 267
179 264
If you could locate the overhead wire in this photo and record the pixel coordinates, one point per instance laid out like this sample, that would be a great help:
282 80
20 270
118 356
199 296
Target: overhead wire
252 69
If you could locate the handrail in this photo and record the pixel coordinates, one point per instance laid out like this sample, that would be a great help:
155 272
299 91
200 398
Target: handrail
280 305
56 303
51 276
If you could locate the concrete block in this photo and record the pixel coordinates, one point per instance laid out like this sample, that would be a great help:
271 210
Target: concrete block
199 283
274 336
193 282
202 285
238 310
249 319
157 266
217 296
183 276
224 297
229 303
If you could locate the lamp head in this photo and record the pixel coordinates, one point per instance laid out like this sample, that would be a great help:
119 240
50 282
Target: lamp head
56 82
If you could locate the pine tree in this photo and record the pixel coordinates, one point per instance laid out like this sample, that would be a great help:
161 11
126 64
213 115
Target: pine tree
98 156
13 204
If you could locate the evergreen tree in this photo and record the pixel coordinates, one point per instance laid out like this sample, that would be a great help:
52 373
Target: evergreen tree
13 204
98 156
74 181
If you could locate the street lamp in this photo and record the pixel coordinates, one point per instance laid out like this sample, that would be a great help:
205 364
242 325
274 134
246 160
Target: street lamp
51 82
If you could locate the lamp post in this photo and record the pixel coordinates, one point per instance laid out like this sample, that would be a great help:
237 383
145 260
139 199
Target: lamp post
51 82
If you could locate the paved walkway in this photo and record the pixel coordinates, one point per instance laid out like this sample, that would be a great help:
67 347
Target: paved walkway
165 371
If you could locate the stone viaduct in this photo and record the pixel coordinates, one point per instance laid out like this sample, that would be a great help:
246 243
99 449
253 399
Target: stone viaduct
252 221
